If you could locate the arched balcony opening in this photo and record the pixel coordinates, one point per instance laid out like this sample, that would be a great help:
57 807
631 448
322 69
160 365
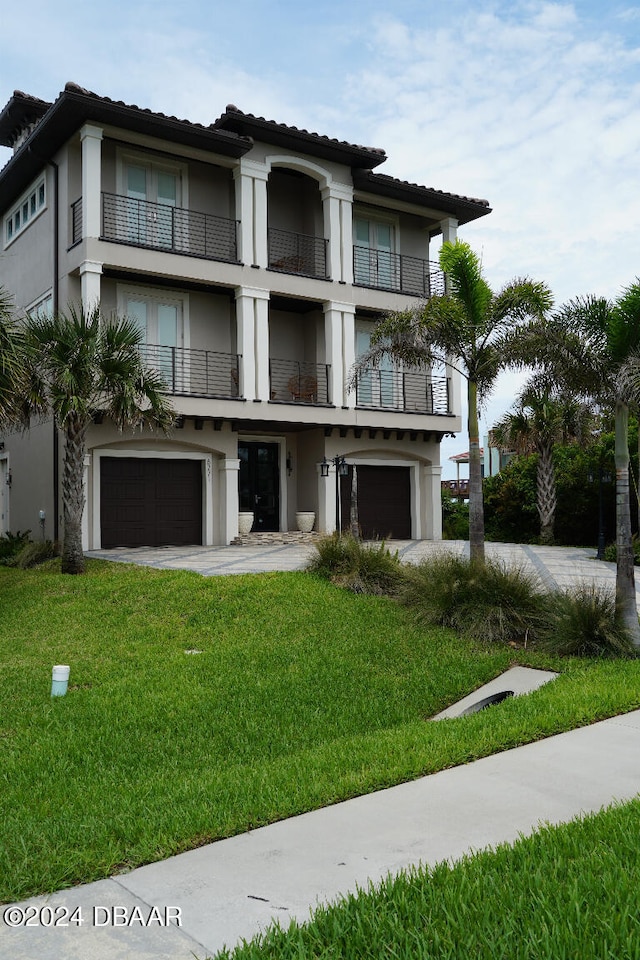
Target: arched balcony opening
296 242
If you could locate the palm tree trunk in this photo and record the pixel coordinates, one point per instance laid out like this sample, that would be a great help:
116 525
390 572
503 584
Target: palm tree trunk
546 492
73 495
476 503
626 607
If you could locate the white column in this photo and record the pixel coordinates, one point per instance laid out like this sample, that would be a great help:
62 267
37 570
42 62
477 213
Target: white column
449 233
333 351
455 390
337 201
433 501
449 227
263 385
91 138
339 332
251 210
228 484
326 501
85 513
348 353
252 314
90 275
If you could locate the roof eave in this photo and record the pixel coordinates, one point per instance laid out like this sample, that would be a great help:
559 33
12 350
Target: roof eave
464 209
302 141
74 107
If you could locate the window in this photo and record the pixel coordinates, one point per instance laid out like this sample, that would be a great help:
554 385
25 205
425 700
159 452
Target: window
375 263
42 307
162 322
151 194
377 387
24 212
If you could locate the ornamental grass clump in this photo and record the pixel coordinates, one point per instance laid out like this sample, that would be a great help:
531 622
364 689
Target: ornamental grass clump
11 544
33 553
360 567
488 601
583 623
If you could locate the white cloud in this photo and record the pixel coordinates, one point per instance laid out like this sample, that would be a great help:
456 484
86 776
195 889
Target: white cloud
531 104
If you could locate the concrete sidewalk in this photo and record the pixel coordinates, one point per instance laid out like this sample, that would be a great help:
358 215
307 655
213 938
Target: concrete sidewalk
235 887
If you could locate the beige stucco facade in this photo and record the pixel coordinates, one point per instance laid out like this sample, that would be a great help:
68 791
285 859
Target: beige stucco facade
257 259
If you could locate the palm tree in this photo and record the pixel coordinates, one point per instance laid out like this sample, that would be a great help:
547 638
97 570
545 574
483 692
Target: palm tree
469 328
593 345
10 362
542 417
79 363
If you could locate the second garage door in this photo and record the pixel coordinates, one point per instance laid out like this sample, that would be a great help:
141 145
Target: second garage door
384 502
150 502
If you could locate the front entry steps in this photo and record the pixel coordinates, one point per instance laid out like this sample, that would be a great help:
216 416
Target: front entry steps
284 536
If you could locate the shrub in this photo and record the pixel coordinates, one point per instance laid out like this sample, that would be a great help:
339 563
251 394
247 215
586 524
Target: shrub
11 543
455 517
487 601
33 553
582 622
360 567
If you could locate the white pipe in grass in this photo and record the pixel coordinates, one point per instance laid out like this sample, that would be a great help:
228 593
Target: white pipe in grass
59 680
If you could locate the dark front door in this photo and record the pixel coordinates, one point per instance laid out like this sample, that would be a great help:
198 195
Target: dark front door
260 483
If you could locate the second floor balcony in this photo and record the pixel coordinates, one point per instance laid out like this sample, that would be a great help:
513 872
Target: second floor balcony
298 381
405 391
158 226
384 270
195 373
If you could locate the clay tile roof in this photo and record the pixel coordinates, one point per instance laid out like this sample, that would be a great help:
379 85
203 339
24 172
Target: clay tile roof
297 138
462 207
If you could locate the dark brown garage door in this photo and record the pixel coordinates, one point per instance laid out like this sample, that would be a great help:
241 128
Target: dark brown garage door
150 503
384 502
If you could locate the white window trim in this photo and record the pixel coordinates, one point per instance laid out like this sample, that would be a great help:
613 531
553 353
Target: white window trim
372 215
156 295
33 190
155 162
34 308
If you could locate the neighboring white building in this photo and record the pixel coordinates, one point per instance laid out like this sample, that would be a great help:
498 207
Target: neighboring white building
256 257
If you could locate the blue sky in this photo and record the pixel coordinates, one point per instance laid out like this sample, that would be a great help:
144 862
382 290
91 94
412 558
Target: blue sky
532 105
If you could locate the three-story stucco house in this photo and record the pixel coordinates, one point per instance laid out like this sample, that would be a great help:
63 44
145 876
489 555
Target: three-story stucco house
255 258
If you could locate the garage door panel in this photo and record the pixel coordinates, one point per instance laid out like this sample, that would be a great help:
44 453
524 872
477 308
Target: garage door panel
384 502
150 501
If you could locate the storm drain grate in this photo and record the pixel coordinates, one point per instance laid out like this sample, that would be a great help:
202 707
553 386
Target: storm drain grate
487 702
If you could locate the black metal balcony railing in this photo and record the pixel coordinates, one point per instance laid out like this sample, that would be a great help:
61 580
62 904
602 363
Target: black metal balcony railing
404 391
160 226
195 373
296 253
76 221
295 381
392 271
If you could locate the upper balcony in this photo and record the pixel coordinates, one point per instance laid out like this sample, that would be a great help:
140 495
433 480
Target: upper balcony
159 226
404 391
195 373
383 270
291 252
296 381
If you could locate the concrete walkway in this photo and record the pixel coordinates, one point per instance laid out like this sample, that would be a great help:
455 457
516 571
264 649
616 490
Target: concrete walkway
231 889
556 566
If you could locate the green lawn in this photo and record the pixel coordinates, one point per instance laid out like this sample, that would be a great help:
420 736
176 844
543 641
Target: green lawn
567 892
302 695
